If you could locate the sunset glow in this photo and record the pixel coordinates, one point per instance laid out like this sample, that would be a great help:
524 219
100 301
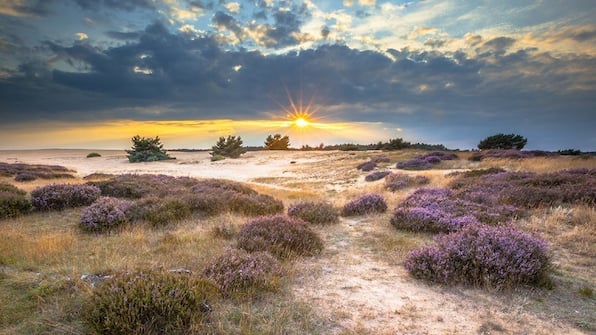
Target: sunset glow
301 122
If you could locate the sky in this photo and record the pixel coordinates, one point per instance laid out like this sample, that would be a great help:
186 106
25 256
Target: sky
94 73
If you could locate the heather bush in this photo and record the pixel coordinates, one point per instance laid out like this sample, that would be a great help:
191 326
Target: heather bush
255 205
366 204
498 257
381 159
367 166
105 214
317 212
414 164
398 181
438 210
149 302
25 176
160 211
60 196
27 172
376 175
524 189
280 235
135 186
238 272
441 155
13 201
508 154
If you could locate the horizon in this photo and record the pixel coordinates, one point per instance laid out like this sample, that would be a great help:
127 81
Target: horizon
92 74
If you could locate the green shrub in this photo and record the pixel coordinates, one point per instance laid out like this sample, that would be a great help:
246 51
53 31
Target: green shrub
281 235
318 212
93 154
228 147
13 201
238 272
502 141
216 158
277 142
146 149
149 302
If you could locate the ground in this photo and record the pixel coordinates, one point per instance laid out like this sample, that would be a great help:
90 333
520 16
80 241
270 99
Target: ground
358 285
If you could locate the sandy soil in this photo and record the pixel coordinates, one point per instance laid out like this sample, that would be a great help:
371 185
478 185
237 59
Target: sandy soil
350 286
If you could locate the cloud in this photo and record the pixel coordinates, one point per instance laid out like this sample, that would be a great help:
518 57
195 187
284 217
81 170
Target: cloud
25 7
126 5
367 2
81 36
233 7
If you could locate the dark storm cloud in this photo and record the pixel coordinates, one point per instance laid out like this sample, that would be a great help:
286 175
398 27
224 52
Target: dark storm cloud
28 7
223 20
197 79
123 36
126 5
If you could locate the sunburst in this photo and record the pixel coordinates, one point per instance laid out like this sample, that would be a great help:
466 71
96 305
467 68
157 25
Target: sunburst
300 115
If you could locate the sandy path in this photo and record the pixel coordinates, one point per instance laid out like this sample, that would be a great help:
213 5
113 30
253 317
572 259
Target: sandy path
356 292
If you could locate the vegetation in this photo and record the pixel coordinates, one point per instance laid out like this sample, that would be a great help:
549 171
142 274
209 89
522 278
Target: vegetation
377 175
150 302
503 141
28 172
228 147
399 181
13 201
277 142
499 257
367 166
93 154
105 214
61 196
370 203
146 149
238 272
280 235
317 212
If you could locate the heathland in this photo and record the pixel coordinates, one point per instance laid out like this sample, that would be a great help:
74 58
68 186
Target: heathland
293 242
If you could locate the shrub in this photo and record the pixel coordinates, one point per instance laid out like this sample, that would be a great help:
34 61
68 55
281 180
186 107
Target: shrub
238 272
93 154
145 149
216 158
160 211
60 196
414 164
149 302
398 181
437 210
13 201
255 205
499 257
314 212
367 166
441 155
281 235
366 204
105 214
373 176
381 159
277 142
135 186
502 141
228 147
25 176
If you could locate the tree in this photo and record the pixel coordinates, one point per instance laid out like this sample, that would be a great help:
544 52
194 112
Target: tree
502 141
277 142
228 147
146 149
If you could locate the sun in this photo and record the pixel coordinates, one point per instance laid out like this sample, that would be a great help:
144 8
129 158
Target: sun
301 122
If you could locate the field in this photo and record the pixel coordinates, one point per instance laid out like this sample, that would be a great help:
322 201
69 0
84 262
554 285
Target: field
357 283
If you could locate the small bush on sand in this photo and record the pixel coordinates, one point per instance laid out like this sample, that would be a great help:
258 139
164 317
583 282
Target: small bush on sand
399 181
238 272
146 149
13 201
281 235
93 154
499 257
105 214
318 212
61 196
367 166
149 302
366 204
374 176
228 147
414 164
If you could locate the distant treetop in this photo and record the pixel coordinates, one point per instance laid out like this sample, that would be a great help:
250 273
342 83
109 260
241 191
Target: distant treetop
502 141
